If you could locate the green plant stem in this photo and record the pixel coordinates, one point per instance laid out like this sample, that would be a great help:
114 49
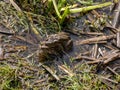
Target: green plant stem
85 9
64 15
86 2
56 9
61 3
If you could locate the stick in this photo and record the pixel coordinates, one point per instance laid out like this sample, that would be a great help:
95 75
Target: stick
112 71
116 13
109 47
67 70
118 39
51 72
90 33
107 58
15 6
85 57
94 62
95 39
110 80
85 9
112 58
95 51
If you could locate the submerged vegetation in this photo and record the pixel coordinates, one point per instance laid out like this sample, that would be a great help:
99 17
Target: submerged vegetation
41 18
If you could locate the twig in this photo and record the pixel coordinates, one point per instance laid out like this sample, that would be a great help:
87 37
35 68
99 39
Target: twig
93 62
109 47
95 51
95 13
116 15
77 32
108 54
90 33
51 72
1 53
95 39
79 57
112 71
31 68
65 69
86 53
17 37
39 81
110 80
112 58
15 5
100 51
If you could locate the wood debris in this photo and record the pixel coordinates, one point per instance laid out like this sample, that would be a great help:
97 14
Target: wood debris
104 59
1 53
96 39
116 14
51 72
66 70
118 39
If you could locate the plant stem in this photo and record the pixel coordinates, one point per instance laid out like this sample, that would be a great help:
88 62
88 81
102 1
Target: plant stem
56 9
64 15
85 9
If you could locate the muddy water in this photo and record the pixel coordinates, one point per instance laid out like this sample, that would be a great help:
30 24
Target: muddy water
76 25
79 25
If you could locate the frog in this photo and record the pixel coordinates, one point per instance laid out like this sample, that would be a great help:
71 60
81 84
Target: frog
55 45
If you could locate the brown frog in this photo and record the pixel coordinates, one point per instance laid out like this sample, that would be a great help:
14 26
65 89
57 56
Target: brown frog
55 45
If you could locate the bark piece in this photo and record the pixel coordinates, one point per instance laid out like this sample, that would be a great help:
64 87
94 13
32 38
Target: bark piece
51 72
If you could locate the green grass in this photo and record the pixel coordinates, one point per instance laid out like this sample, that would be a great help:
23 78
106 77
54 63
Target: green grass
26 21
84 78
8 78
